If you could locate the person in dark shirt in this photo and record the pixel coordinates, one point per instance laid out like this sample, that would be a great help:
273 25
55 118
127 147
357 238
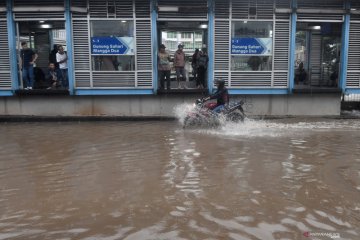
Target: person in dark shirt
300 74
202 62
221 95
52 56
28 58
194 64
53 77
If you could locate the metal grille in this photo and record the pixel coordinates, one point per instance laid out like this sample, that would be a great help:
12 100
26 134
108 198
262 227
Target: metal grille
55 9
320 5
98 9
80 4
124 8
281 53
252 9
188 9
280 79
282 3
334 4
250 79
111 8
39 15
353 66
142 8
5 79
353 80
81 52
222 9
2 9
281 48
82 79
315 59
319 17
144 79
22 3
285 5
113 79
143 45
222 75
221 42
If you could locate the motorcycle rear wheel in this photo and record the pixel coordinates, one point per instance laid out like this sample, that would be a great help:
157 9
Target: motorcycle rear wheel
236 116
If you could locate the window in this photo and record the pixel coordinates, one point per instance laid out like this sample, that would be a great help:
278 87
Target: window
112 45
171 34
188 45
198 36
251 46
185 35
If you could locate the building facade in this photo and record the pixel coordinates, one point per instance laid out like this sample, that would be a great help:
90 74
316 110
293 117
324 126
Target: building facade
259 47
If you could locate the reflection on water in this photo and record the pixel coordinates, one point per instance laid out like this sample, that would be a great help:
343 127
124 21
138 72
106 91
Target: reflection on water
264 179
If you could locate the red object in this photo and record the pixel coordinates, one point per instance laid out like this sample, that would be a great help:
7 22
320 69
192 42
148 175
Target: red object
211 105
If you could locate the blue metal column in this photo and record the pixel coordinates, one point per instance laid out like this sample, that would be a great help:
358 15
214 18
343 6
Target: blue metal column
210 46
292 45
12 47
69 46
154 41
344 48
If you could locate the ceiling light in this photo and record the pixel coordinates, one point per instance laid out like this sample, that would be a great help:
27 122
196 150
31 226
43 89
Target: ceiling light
45 26
203 26
316 27
42 21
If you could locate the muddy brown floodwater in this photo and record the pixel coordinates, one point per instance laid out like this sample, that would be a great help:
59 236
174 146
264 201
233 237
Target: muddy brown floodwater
262 179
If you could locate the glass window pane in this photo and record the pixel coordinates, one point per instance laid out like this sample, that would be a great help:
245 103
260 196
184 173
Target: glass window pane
251 63
113 63
112 45
251 46
114 28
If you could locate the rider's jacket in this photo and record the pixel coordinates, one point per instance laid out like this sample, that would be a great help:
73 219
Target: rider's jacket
221 96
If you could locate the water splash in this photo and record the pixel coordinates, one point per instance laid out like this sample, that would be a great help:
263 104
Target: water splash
182 110
271 128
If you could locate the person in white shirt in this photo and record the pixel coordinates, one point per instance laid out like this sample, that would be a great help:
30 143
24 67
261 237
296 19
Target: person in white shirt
61 59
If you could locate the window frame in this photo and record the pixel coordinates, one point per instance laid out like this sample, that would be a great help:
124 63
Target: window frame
232 37
92 55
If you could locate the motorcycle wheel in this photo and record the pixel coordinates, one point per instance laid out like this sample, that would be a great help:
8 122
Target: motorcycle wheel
236 116
190 122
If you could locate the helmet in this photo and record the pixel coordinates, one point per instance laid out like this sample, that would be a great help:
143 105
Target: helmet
220 83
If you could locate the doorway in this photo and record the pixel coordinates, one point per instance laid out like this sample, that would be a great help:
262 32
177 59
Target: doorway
192 35
41 37
317 55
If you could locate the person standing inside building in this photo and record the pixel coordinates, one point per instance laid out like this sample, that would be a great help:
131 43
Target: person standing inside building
194 64
27 60
61 59
179 63
202 67
52 56
164 67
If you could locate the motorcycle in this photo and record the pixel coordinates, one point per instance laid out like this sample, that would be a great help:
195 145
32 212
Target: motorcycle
203 115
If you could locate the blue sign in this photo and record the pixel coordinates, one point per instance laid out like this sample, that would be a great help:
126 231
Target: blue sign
112 45
251 46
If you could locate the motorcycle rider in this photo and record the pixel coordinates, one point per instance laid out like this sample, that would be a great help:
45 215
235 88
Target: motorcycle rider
221 95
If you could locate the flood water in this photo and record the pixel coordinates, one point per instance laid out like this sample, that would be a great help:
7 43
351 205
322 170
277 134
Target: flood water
261 179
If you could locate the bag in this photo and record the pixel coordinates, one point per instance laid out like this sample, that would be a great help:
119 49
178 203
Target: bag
202 62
